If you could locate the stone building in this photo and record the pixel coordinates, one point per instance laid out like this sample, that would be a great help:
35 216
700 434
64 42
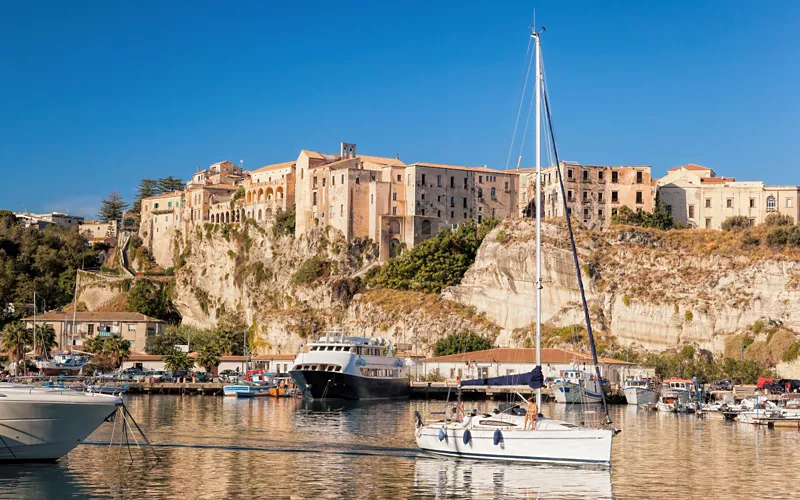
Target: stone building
134 327
696 197
594 192
97 231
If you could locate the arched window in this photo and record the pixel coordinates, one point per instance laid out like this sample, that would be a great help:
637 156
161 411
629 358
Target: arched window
269 194
279 193
771 202
268 213
426 227
259 214
260 194
249 196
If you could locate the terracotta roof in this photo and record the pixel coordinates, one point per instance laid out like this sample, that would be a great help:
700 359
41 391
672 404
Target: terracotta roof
313 154
128 317
526 356
457 167
690 166
276 166
395 162
717 180
173 194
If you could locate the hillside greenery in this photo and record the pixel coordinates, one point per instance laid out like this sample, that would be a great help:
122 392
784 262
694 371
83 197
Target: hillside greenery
153 299
657 219
436 263
226 339
457 343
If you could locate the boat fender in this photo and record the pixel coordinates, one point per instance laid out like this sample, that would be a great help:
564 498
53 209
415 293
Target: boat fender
442 435
417 419
468 436
498 437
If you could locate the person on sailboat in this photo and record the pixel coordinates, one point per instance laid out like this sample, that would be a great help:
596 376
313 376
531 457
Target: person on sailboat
530 414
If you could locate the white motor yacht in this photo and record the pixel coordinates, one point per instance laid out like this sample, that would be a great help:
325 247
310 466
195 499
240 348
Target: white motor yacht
44 424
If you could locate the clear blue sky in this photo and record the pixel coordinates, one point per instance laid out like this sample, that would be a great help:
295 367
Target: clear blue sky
96 95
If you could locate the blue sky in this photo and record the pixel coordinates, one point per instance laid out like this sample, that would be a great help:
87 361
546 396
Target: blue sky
96 95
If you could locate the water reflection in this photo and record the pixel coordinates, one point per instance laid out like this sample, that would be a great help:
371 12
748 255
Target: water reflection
214 447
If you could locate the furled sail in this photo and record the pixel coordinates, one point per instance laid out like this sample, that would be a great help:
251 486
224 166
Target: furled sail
533 379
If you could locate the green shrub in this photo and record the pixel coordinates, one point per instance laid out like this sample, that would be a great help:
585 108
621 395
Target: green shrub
311 270
751 239
502 236
792 353
776 219
657 219
735 223
778 236
688 316
757 327
626 299
465 341
284 223
794 236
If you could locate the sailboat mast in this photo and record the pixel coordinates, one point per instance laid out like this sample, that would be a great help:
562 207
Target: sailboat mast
537 207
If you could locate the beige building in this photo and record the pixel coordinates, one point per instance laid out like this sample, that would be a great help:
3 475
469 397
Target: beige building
134 327
97 231
594 192
696 197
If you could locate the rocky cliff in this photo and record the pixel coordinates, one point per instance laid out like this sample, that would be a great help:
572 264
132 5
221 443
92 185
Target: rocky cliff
651 289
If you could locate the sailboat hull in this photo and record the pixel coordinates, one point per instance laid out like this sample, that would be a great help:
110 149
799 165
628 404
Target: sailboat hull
640 396
573 446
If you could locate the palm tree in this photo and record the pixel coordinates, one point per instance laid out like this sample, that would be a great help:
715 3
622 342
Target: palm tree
208 358
45 339
117 348
177 360
94 345
16 338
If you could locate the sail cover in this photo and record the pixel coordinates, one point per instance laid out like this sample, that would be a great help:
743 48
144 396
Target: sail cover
533 379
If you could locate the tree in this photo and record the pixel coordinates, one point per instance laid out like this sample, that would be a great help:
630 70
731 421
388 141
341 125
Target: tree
116 348
735 223
230 335
177 360
146 189
45 339
657 219
153 299
170 184
208 358
776 219
93 345
112 207
465 341
285 222
16 339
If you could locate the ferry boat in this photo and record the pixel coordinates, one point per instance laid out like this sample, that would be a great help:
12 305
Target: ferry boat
341 367
577 387
640 391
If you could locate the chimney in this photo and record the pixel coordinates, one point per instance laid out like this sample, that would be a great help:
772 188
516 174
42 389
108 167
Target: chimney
348 150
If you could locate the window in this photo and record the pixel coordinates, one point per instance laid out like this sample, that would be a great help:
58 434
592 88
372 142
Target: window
708 202
751 222
333 180
465 203
771 203
480 193
372 199
341 210
314 197
599 175
691 211
439 180
752 203
169 204
90 329
639 198
452 181
614 197
343 179
422 211
569 195
613 212
614 177
788 203
358 180
708 223
423 196
729 203
452 201
493 193
506 187
669 209
423 179
600 197
600 213
301 173
585 213
569 173
480 179
585 175
408 179
394 196
155 206
639 177
131 328
586 196
438 213
465 183
394 210
399 178
314 182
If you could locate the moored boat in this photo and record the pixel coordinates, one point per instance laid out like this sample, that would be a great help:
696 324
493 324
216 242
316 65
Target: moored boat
577 387
640 390
676 396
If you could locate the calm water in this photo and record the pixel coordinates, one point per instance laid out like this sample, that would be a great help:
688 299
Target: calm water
214 447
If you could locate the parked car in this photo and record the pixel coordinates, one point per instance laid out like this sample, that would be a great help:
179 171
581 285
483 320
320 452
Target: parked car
721 385
158 376
229 376
182 374
131 375
202 376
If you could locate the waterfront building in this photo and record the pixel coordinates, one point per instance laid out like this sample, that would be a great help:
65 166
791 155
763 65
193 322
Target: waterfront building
134 327
594 192
278 364
696 197
509 361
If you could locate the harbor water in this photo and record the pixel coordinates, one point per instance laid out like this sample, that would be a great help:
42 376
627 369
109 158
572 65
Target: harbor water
213 447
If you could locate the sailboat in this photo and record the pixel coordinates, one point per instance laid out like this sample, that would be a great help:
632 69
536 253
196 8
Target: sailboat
66 362
506 434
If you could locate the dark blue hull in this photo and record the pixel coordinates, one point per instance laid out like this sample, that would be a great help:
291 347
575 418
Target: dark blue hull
327 385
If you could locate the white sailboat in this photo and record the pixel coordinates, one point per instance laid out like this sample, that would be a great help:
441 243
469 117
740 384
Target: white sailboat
504 435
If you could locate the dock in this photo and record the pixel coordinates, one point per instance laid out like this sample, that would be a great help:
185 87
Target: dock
440 390
201 388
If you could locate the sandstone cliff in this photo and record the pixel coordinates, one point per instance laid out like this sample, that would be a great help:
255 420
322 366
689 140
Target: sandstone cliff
647 288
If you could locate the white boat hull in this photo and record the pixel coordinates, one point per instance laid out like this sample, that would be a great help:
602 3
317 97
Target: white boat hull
47 428
568 446
640 396
572 393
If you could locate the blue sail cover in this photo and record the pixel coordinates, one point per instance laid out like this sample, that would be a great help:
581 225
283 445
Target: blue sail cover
533 379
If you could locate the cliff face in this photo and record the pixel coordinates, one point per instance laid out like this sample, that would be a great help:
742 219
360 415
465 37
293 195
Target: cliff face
647 288
290 289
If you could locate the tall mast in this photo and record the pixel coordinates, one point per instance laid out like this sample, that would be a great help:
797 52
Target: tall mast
538 212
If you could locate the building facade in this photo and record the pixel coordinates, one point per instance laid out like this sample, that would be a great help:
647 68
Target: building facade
696 197
72 330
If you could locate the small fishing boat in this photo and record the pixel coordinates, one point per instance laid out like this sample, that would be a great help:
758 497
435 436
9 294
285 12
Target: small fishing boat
577 387
234 390
676 396
640 390
246 394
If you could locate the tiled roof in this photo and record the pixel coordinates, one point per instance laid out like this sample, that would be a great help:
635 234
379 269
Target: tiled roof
394 162
527 356
128 317
276 166
457 167
173 194
690 166
313 154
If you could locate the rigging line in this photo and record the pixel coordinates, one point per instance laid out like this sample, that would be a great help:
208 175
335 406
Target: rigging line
521 100
525 132
575 259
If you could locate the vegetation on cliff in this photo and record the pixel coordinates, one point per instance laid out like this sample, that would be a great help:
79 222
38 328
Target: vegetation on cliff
457 343
657 219
153 299
436 263
226 339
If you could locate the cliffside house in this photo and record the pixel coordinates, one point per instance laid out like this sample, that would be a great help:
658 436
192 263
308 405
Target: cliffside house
508 361
134 327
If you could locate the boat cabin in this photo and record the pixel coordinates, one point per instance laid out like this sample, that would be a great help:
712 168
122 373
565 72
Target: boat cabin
677 384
